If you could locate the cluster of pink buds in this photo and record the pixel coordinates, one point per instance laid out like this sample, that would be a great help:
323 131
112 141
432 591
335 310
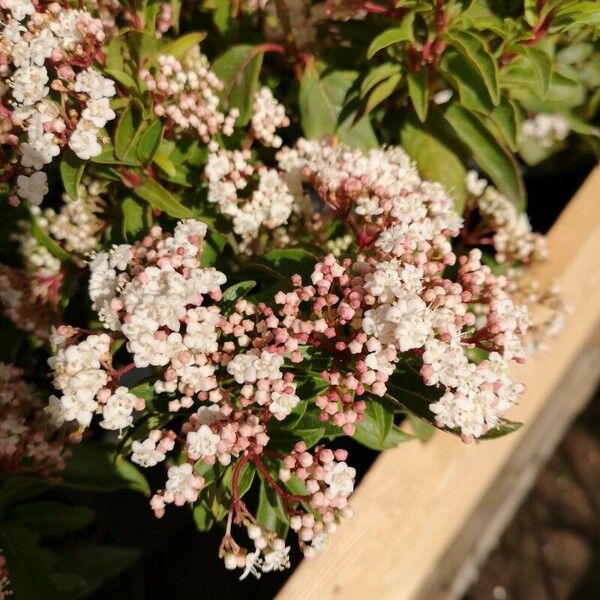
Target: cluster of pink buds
186 94
57 98
29 443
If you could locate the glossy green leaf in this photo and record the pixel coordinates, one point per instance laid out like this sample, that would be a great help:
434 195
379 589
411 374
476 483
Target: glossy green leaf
541 65
128 131
381 92
238 68
507 118
474 49
493 158
418 89
376 426
471 88
427 145
51 518
126 80
27 564
159 197
17 488
270 511
134 217
179 46
202 517
376 75
321 100
394 35
94 467
149 142
95 565
71 171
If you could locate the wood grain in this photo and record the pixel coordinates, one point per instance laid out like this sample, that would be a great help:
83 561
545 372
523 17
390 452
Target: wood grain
416 501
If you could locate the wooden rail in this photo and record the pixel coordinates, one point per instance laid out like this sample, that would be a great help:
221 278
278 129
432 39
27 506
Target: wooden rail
426 516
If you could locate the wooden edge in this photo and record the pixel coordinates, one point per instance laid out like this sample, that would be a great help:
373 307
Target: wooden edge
416 500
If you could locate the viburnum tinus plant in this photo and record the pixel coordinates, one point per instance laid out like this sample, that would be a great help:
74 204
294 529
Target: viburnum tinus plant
238 231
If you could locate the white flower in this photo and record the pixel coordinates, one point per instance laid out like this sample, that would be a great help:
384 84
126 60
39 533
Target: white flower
33 187
475 185
120 256
252 562
282 404
98 112
78 408
182 485
243 368
340 480
145 453
84 140
276 560
29 84
202 443
117 411
19 8
94 84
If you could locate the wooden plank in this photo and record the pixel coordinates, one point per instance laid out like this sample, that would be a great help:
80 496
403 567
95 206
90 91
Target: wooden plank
416 500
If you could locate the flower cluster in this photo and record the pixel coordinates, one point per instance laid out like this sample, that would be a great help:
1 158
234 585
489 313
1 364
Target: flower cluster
29 443
57 98
509 230
186 94
224 371
546 129
268 115
255 197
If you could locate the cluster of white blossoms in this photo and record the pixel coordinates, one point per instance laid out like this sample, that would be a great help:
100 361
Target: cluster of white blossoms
46 54
186 94
509 229
546 129
255 197
224 370
268 115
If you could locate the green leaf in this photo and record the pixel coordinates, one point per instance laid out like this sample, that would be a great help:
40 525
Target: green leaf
71 171
51 518
134 218
180 46
234 293
270 511
94 467
503 428
418 90
159 197
381 92
541 65
245 479
472 90
27 564
45 240
202 517
436 159
423 430
494 159
108 157
474 49
507 118
394 35
126 80
94 565
376 426
128 131
16 488
321 100
376 75
149 142
165 164
238 68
